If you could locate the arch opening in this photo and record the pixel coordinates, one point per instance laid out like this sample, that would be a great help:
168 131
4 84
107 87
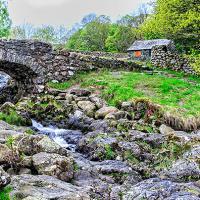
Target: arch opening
16 80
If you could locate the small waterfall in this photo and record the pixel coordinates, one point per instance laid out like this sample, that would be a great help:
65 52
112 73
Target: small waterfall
54 133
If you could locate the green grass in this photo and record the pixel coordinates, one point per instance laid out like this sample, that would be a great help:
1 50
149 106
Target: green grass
4 193
59 86
175 91
12 118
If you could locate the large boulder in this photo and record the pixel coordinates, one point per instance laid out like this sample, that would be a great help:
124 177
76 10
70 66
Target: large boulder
5 153
184 170
156 188
4 178
7 107
44 187
33 144
99 103
180 136
98 146
88 107
112 166
193 154
79 121
5 126
102 112
5 134
55 165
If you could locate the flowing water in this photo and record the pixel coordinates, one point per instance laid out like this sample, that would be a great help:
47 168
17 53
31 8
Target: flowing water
54 133
3 80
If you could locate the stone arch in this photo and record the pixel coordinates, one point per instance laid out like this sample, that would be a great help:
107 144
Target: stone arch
22 75
20 60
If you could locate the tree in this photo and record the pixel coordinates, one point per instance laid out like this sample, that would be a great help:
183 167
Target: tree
25 31
137 18
175 19
5 22
92 37
127 20
88 19
120 38
141 14
74 41
61 35
45 34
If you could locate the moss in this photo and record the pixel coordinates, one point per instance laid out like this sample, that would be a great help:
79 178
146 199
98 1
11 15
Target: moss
4 193
13 118
76 167
105 152
120 194
130 157
118 177
30 132
167 153
59 86
193 191
144 128
10 141
109 152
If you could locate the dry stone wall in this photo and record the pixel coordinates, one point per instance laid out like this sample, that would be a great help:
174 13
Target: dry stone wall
164 57
105 54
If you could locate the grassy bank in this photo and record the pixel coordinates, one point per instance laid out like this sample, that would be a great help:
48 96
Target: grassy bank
176 92
4 193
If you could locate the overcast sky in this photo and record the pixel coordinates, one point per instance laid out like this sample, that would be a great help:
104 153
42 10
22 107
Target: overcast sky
66 12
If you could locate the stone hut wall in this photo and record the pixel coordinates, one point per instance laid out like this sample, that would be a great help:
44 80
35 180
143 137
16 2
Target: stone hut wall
164 57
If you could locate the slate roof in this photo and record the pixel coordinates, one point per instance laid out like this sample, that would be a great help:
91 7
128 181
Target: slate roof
148 44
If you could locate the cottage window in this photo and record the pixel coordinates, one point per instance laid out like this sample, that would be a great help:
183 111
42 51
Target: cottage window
137 54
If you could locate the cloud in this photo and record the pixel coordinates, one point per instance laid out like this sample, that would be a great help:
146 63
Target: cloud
67 12
46 2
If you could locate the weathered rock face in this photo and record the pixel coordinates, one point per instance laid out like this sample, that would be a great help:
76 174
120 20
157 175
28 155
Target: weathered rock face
45 188
33 144
102 112
35 63
162 189
184 170
54 165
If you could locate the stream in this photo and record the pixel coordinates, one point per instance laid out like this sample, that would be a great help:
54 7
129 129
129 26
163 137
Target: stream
55 133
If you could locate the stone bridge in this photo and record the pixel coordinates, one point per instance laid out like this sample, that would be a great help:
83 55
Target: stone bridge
32 64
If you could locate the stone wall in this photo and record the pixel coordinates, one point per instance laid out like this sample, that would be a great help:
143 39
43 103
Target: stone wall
104 54
162 56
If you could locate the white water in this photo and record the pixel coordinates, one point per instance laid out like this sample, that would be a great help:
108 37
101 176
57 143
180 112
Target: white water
3 80
54 133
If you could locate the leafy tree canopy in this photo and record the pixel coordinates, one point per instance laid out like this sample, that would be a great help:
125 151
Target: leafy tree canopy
175 19
5 22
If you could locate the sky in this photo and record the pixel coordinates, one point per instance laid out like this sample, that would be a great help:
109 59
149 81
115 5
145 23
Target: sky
67 12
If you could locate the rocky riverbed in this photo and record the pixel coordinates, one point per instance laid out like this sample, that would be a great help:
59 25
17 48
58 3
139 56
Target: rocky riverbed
72 145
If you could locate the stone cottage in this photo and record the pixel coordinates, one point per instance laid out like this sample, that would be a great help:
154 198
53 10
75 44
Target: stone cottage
142 49
162 53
